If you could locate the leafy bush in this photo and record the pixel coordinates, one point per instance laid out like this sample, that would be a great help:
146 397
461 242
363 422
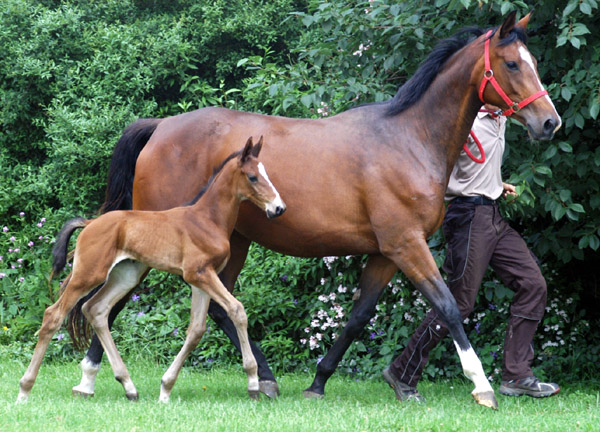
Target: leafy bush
74 74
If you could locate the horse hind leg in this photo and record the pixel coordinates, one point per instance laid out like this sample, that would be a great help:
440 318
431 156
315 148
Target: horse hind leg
196 329
52 321
122 279
377 273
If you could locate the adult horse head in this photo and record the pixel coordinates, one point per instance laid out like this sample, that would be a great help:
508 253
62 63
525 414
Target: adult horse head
507 60
386 166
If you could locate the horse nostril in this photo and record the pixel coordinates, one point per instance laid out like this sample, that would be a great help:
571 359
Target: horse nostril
549 125
279 211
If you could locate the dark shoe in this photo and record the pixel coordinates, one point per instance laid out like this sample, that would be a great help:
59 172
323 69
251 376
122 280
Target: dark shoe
530 386
404 392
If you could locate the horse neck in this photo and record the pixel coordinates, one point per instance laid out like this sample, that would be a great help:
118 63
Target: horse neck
450 105
221 201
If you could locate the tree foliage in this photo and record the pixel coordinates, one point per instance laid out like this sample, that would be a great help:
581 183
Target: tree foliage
73 74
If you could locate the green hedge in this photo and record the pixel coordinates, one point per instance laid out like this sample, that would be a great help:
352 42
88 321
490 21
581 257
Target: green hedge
74 74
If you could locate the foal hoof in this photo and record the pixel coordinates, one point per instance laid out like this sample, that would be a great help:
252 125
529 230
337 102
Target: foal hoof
254 394
81 394
132 397
269 388
309 394
487 399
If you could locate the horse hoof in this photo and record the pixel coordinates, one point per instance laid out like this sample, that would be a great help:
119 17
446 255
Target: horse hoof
309 394
81 394
487 399
132 397
254 394
269 388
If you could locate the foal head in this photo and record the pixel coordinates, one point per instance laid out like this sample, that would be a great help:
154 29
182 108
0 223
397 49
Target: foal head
254 183
511 64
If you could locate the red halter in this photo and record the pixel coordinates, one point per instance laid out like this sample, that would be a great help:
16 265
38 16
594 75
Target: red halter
488 77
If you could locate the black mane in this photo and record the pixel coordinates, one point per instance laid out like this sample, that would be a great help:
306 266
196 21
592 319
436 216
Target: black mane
417 85
212 177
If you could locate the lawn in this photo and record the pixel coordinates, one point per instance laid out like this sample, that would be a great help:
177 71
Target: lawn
216 400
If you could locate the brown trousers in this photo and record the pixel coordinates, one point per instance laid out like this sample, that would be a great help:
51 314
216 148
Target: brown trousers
478 236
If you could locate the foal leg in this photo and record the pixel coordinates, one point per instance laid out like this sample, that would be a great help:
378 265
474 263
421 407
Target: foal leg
417 263
239 250
54 316
90 365
377 273
122 278
208 281
195 331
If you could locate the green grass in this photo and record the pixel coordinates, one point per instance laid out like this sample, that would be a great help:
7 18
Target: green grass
216 400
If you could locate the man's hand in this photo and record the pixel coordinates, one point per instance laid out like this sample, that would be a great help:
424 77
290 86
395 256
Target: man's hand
509 190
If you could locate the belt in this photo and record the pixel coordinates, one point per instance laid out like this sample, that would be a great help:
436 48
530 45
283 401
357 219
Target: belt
477 200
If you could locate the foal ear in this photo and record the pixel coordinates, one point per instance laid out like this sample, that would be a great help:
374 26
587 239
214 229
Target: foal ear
247 151
522 24
508 25
256 149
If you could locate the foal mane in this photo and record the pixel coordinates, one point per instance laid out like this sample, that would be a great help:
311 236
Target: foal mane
417 85
216 171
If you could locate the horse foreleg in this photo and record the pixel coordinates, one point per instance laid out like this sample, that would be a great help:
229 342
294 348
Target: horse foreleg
211 284
375 276
417 263
53 318
195 331
123 277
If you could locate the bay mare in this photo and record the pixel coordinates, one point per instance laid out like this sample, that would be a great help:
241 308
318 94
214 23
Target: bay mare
370 180
118 249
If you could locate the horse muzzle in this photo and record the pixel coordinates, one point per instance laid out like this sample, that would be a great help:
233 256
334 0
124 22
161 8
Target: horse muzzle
276 210
545 130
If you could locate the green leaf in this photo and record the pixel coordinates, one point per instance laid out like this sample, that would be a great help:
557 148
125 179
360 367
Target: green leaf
543 169
242 62
566 93
594 242
575 42
565 195
550 152
585 8
306 100
565 146
577 207
595 109
558 212
570 8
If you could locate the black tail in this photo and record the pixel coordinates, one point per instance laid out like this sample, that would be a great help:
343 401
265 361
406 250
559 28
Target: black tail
122 165
118 197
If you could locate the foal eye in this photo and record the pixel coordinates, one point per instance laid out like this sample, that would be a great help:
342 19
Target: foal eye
512 65
253 179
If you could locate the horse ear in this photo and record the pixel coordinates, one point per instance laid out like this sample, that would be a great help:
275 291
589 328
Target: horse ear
246 152
508 25
256 149
522 24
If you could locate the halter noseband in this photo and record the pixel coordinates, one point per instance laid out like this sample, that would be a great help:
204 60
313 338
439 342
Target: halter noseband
488 76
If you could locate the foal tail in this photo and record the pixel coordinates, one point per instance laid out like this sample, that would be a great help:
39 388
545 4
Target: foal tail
60 249
119 191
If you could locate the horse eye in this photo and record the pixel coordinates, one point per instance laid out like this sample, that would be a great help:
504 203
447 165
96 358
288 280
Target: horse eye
512 65
253 179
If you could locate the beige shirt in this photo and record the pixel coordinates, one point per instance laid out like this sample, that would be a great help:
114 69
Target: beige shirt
469 178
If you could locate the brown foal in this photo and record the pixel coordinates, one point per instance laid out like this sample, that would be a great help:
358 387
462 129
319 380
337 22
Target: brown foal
118 248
